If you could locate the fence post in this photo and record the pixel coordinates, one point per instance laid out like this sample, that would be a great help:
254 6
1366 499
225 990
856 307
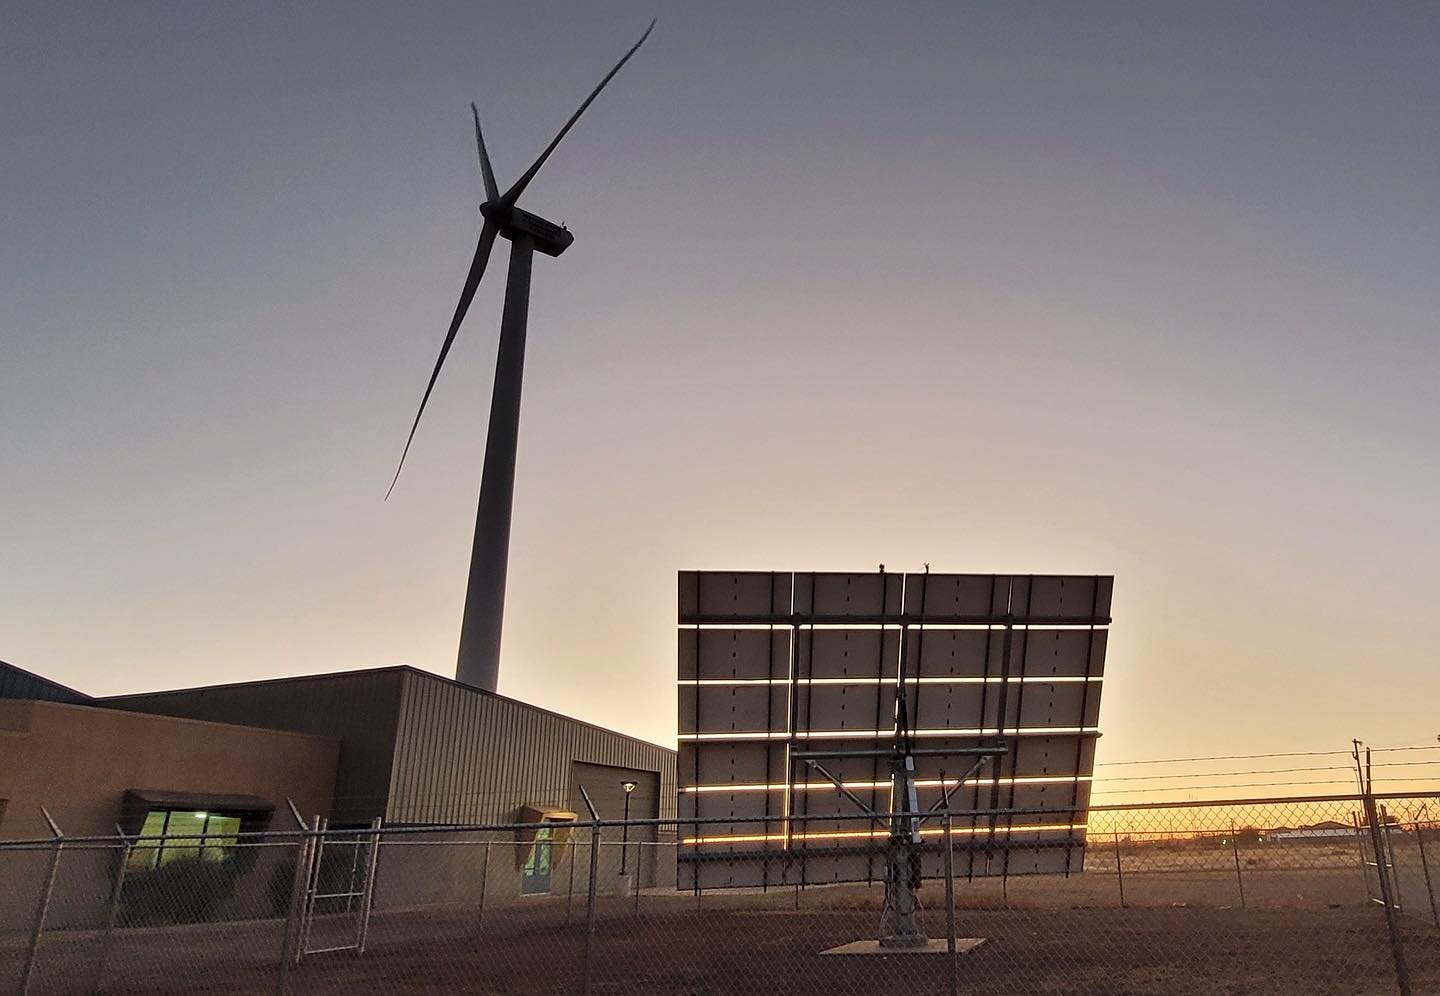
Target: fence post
570 890
590 909
354 871
1360 848
639 878
40 912
312 885
1425 867
484 882
115 893
950 906
1377 844
298 882
367 901
1390 858
1119 872
1239 879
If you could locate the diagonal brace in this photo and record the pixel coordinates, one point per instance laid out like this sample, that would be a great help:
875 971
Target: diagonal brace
943 803
847 793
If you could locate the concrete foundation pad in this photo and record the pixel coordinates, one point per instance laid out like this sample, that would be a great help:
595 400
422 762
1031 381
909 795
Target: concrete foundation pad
932 946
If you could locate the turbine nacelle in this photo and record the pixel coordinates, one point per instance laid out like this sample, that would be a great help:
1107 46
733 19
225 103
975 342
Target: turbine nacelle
549 238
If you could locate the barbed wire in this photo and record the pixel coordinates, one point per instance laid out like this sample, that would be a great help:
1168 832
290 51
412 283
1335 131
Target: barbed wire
1254 757
1239 785
1348 769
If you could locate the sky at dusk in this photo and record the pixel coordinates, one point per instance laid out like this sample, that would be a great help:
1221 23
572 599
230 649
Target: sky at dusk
1142 289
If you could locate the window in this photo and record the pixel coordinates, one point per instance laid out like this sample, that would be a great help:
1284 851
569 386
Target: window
157 845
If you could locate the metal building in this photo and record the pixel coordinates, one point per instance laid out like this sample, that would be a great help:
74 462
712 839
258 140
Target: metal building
417 748
17 683
398 744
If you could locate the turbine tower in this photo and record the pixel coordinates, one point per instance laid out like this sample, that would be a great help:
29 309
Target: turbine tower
479 657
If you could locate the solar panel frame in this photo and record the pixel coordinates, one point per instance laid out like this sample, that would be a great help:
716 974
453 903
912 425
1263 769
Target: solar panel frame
975 655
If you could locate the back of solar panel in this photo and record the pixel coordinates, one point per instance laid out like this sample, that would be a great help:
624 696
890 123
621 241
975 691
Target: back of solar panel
773 663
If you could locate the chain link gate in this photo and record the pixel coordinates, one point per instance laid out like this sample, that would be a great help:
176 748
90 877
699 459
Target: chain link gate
339 894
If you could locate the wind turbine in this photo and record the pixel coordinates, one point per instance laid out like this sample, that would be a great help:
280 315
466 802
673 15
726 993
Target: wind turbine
479 658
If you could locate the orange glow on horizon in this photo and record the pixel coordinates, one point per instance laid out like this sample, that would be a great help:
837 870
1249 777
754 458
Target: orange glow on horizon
1030 731
810 786
877 834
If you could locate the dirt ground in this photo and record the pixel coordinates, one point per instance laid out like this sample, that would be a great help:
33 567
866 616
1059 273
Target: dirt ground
674 948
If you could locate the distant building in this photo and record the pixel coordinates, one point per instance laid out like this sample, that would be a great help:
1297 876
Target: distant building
1327 830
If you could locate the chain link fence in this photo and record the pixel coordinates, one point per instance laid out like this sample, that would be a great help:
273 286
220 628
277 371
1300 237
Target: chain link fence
1251 895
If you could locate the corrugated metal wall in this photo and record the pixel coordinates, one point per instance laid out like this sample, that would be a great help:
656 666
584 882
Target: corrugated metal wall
17 683
418 748
468 756
360 708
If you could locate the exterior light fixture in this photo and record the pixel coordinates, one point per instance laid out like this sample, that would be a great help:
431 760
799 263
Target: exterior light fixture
625 827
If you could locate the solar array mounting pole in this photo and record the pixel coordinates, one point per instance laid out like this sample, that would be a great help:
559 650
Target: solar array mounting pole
479 658
900 927
902 861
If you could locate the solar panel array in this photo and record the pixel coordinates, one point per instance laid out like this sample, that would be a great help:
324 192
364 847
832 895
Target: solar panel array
775 663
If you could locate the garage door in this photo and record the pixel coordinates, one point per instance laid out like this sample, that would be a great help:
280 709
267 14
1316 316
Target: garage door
606 787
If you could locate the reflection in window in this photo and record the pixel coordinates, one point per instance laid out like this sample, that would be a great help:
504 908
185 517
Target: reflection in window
158 845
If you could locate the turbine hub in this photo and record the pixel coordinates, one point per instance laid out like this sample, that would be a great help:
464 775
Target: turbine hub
496 212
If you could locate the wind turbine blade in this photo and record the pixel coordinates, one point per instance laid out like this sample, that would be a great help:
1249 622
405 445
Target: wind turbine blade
491 192
467 294
514 192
